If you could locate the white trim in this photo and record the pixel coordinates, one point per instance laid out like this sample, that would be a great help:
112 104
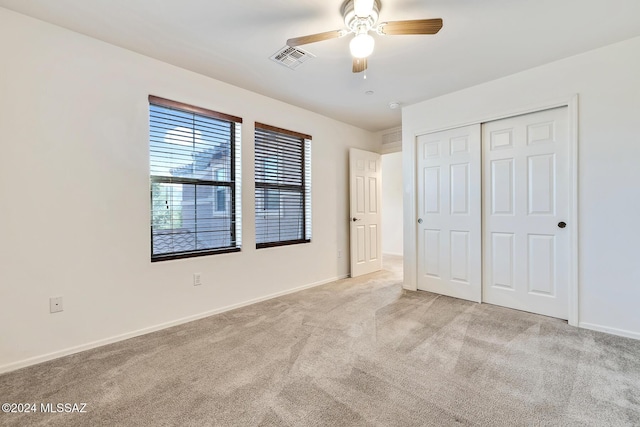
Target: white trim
99 343
410 192
409 164
391 253
574 254
609 330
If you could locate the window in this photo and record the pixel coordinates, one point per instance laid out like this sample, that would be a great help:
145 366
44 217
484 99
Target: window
221 193
195 193
221 200
271 200
283 186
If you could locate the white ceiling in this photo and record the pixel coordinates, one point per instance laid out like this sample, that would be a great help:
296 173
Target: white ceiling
232 40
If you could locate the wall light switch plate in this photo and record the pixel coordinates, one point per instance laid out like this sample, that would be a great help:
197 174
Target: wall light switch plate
197 279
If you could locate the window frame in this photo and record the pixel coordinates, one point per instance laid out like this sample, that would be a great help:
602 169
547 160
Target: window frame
304 188
232 183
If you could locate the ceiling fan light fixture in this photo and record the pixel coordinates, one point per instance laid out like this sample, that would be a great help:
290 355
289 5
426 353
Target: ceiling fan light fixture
361 46
363 8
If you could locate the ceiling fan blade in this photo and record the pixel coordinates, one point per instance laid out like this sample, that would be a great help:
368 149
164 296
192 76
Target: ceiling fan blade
359 65
328 35
416 26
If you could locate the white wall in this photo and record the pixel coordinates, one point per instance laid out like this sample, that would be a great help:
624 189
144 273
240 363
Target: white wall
74 181
392 204
608 86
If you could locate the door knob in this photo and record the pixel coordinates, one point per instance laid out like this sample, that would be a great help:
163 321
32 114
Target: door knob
419 220
562 224
354 219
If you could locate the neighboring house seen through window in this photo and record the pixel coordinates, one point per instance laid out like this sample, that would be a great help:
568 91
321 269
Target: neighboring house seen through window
195 196
282 186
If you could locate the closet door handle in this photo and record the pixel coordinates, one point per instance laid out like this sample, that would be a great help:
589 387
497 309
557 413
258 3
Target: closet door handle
419 220
562 224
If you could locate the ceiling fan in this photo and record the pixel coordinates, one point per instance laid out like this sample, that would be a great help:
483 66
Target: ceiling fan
361 17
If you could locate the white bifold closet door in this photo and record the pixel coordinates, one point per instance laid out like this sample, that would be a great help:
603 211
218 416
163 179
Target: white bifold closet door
449 214
526 206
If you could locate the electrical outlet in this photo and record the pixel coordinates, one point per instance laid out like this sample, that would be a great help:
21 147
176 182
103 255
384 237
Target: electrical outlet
55 304
197 280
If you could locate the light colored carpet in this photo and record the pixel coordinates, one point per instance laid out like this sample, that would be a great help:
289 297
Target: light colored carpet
355 352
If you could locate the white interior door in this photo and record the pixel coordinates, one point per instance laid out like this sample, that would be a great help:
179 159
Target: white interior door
365 184
449 213
526 203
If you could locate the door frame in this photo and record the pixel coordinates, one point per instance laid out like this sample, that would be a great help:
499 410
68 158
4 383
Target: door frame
410 194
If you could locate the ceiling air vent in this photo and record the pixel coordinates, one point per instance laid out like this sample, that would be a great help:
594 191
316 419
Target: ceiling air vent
291 57
391 140
392 136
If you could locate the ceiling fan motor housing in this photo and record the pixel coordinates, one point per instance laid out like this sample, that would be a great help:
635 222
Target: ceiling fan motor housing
356 23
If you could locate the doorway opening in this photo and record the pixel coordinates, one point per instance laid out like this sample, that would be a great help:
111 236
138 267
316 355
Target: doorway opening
392 212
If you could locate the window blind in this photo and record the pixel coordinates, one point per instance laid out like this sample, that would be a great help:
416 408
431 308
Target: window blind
282 186
194 192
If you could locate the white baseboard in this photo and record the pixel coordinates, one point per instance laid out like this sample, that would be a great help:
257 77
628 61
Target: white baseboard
608 330
391 253
99 343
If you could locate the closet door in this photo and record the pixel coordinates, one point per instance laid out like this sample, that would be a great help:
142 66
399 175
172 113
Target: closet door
449 212
526 207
